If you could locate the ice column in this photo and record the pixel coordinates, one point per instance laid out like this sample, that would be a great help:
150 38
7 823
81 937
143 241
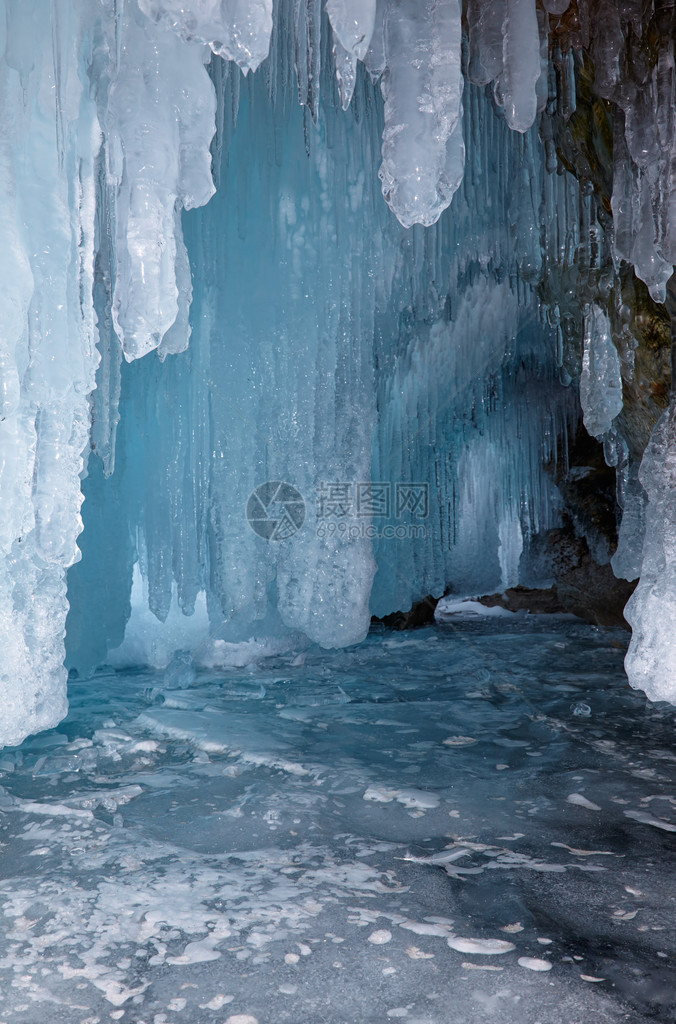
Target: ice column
50 141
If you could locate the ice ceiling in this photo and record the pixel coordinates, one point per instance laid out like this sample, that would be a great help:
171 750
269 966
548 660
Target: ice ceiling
204 294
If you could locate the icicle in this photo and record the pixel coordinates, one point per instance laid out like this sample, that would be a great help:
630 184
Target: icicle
423 150
236 30
521 58
626 562
374 59
158 156
308 50
352 22
649 264
651 611
600 380
485 19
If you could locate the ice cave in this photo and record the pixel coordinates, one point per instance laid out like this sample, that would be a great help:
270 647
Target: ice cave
337 511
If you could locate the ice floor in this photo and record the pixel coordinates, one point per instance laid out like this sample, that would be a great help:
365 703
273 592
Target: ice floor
473 822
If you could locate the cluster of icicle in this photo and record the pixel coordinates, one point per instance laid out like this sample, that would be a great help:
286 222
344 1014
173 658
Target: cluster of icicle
108 114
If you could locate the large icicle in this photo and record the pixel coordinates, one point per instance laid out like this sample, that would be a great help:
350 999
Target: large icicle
423 150
521 60
651 611
158 160
485 19
601 379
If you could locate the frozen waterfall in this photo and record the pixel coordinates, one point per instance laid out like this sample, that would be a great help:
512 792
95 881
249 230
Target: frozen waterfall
293 364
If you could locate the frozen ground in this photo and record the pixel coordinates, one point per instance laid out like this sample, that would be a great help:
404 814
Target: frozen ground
474 822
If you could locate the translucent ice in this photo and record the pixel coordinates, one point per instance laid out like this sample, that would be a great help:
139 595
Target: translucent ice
521 63
158 161
651 611
353 22
601 380
423 149
237 30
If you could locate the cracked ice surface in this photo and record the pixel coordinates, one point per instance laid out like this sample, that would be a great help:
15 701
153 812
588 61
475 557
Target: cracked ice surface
372 834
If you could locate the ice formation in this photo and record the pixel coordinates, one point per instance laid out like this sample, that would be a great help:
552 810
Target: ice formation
408 375
651 612
600 380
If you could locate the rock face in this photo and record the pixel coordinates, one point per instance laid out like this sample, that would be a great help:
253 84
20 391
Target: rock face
420 614
584 587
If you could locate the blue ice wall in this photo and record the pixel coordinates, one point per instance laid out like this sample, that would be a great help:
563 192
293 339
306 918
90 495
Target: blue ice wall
403 381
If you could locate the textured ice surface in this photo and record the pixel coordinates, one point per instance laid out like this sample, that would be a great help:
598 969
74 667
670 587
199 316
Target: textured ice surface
48 357
301 843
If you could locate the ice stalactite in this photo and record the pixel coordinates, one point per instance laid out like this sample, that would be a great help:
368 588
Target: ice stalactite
423 149
651 612
485 19
353 22
644 192
154 172
600 380
626 561
521 64
237 30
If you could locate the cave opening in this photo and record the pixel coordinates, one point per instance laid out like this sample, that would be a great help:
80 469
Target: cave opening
336 475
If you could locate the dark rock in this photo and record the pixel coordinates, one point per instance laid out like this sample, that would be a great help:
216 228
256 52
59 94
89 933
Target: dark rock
421 614
530 599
